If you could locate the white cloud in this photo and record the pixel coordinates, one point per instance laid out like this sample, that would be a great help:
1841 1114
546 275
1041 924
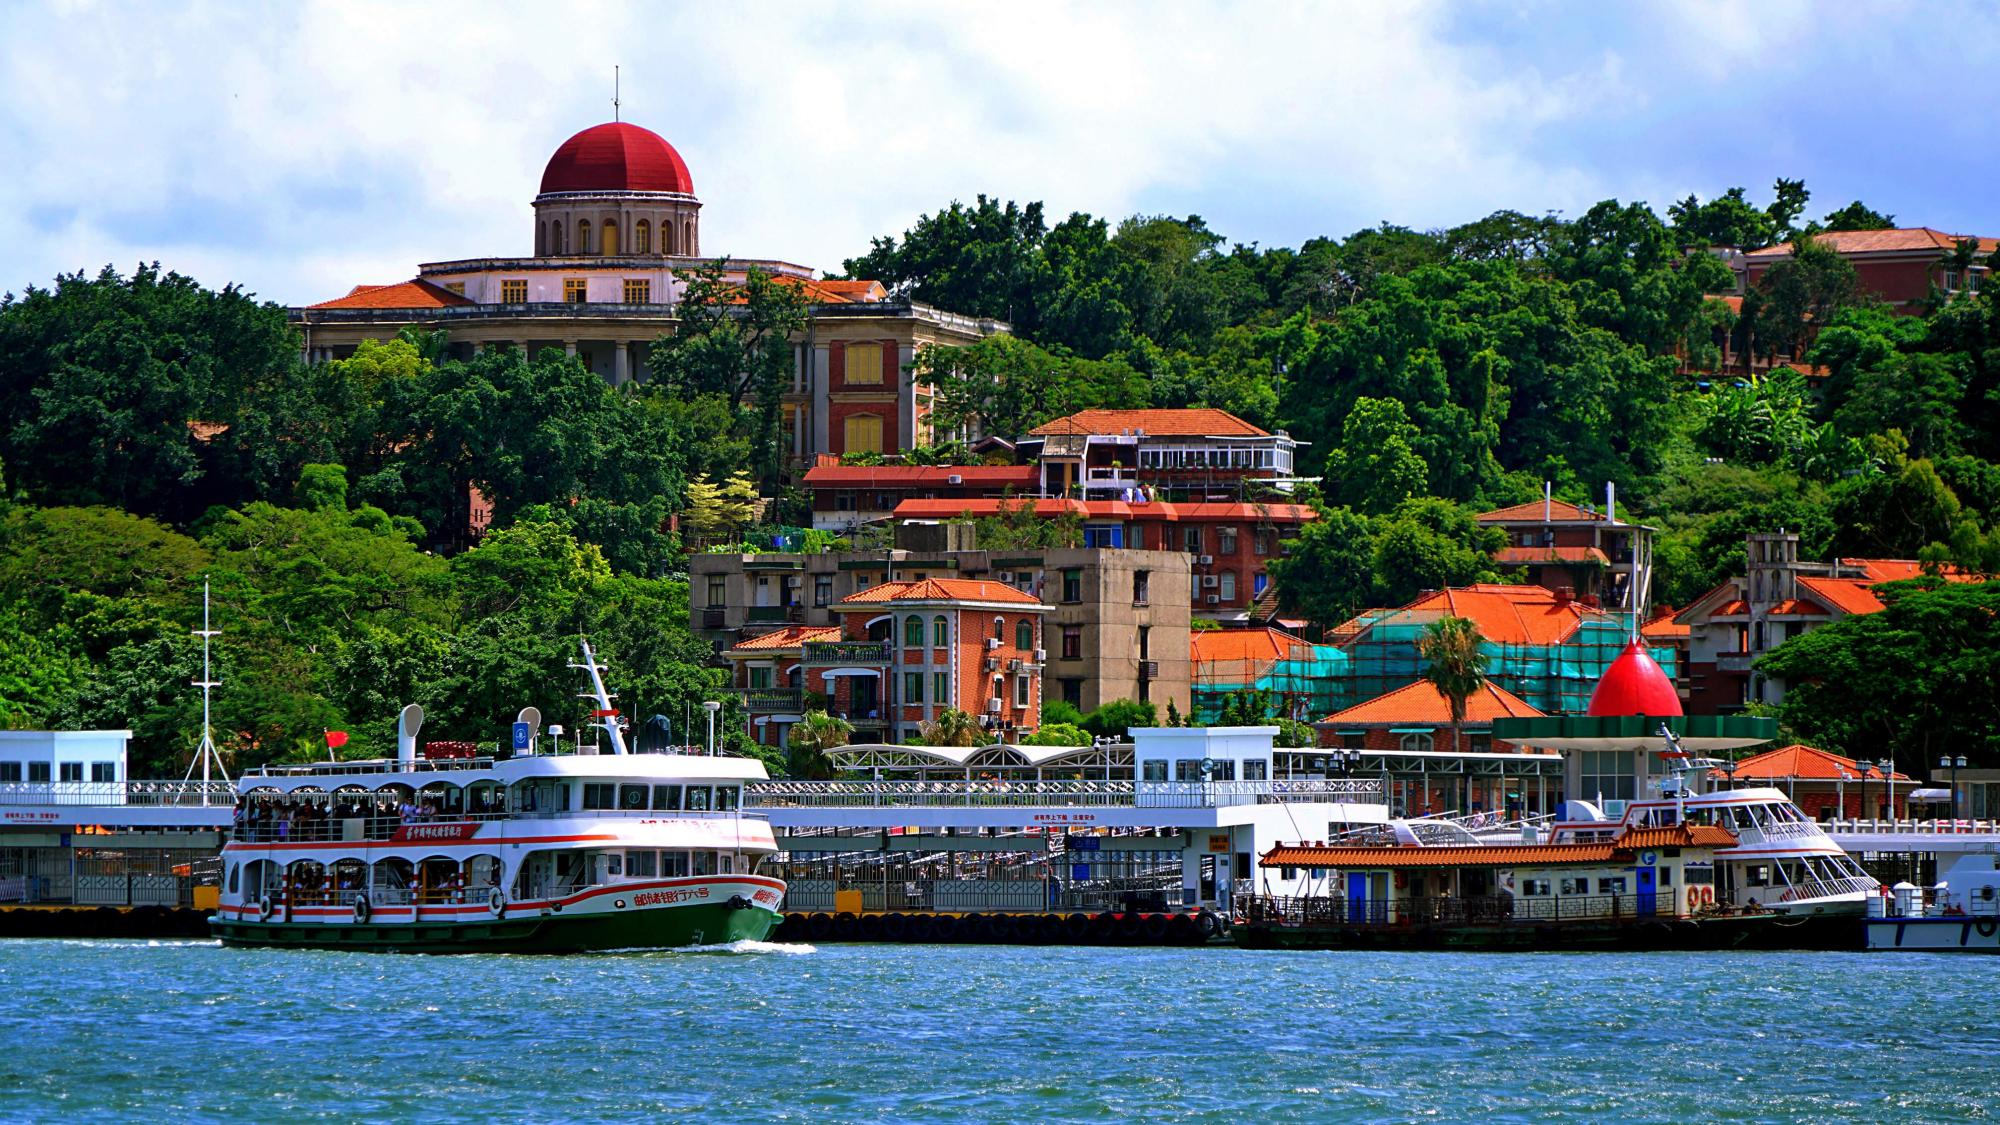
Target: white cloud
303 149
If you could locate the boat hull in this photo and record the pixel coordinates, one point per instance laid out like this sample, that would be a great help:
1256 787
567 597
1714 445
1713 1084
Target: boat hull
602 919
1761 931
1943 934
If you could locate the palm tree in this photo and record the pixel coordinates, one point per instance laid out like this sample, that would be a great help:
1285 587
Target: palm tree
1456 665
810 739
953 727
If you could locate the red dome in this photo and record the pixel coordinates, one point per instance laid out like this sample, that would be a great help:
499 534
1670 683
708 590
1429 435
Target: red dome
617 156
1635 684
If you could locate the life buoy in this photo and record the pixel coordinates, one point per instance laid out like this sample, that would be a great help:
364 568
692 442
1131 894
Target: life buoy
496 902
361 909
1987 926
266 906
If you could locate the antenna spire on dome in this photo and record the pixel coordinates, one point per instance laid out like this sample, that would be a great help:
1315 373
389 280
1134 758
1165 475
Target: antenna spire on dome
614 93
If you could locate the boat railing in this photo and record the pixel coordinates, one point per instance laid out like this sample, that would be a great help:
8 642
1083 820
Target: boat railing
1835 887
1072 793
1473 910
344 769
1781 830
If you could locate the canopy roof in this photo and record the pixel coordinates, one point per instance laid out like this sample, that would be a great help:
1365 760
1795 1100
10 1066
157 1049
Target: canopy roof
1636 732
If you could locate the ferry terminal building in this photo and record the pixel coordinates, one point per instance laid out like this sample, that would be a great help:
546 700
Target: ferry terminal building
616 224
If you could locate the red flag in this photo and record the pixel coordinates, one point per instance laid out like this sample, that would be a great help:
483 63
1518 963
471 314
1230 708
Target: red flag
335 739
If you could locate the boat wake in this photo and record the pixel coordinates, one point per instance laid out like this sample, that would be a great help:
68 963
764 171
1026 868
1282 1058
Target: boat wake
747 946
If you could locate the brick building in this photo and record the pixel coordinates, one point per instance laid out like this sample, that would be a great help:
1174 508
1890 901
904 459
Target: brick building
1902 268
1195 453
844 497
1605 561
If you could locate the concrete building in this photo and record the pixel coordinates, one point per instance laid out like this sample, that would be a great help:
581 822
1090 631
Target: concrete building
1115 624
846 497
1196 453
616 225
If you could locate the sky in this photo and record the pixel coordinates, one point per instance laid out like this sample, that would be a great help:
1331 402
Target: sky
300 148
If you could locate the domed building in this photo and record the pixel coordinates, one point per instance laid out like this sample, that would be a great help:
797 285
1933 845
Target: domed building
616 222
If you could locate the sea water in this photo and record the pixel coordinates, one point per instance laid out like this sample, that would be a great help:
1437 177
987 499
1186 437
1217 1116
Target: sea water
125 1030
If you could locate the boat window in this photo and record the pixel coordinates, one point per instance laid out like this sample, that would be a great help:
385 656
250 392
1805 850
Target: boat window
726 797
1614 885
233 869
633 797
641 864
666 796
1576 886
1666 875
614 863
725 864
673 864
697 798
1701 875
704 863
1534 886
599 796
1757 875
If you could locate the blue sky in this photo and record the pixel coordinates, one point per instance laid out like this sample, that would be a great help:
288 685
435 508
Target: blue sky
301 148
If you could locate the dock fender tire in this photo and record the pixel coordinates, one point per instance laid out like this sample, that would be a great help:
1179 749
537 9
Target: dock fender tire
361 910
979 927
895 927
844 926
496 902
1155 928
1210 923
1129 928
1104 928
266 907
737 902
1182 929
1076 927
1987 927
820 926
868 927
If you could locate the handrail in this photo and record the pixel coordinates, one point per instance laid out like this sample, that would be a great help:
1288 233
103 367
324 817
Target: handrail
142 793
1940 826
1082 794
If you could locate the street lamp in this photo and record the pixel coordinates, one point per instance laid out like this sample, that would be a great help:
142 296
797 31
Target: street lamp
1954 765
1888 768
711 706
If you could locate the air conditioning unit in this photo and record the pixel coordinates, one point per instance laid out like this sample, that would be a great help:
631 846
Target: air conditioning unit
991 664
992 643
1215 599
993 706
1208 581
1016 665
1205 560
955 478
1149 669
1041 656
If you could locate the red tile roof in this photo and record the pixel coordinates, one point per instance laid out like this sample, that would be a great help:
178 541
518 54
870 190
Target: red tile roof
1503 855
413 294
791 636
1802 762
1903 239
919 476
1560 511
1665 628
1800 607
1895 570
1422 702
1534 556
1197 421
1675 836
1212 645
940 590
1848 595
1504 614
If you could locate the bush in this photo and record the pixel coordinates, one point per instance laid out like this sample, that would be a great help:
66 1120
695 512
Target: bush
1295 735
1114 718
1056 711
1058 734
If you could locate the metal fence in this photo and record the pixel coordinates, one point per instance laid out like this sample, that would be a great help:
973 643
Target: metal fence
1473 910
1070 794
147 794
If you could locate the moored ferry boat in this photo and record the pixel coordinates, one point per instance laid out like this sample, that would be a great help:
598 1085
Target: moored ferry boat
454 851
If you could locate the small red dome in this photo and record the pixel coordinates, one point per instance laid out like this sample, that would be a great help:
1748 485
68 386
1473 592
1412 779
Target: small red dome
617 156
1635 684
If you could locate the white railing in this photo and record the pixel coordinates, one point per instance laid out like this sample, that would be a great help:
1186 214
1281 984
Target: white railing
1070 794
101 793
1884 827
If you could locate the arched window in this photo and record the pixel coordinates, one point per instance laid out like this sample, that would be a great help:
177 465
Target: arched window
999 628
583 236
940 631
642 238
541 238
556 238
687 237
1024 634
1416 743
913 632
609 238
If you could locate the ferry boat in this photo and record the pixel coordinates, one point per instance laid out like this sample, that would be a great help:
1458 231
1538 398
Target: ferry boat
530 851
1960 915
1736 868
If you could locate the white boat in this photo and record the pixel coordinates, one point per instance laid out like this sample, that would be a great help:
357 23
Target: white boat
1960 915
451 851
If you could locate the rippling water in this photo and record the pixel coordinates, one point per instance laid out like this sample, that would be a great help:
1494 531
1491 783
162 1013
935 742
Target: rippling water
117 1030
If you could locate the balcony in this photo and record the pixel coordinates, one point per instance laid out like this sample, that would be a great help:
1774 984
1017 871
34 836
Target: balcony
846 652
770 700
774 614
1736 662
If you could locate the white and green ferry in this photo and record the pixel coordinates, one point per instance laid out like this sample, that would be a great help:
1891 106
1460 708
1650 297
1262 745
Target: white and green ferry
454 851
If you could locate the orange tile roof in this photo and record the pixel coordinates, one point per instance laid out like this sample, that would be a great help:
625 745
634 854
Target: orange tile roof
831 292
1503 855
1675 836
413 294
1848 595
1533 556
923 509
1212 645
1734 304
1802 762
1895 570
1422 702
1560 511
1800 607
1195 421
940 590
791 636
1665 628
918 476
1520 615
1902 239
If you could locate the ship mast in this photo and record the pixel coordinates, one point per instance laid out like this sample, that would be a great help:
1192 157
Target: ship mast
606 713
206 756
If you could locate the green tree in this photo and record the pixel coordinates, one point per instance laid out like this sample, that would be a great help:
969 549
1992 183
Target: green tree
1327 574
1858 216
1058 734
1375 468
815 734
1429 544
732 339
1727 220
1454 664
1800 293
1115 718
953 727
